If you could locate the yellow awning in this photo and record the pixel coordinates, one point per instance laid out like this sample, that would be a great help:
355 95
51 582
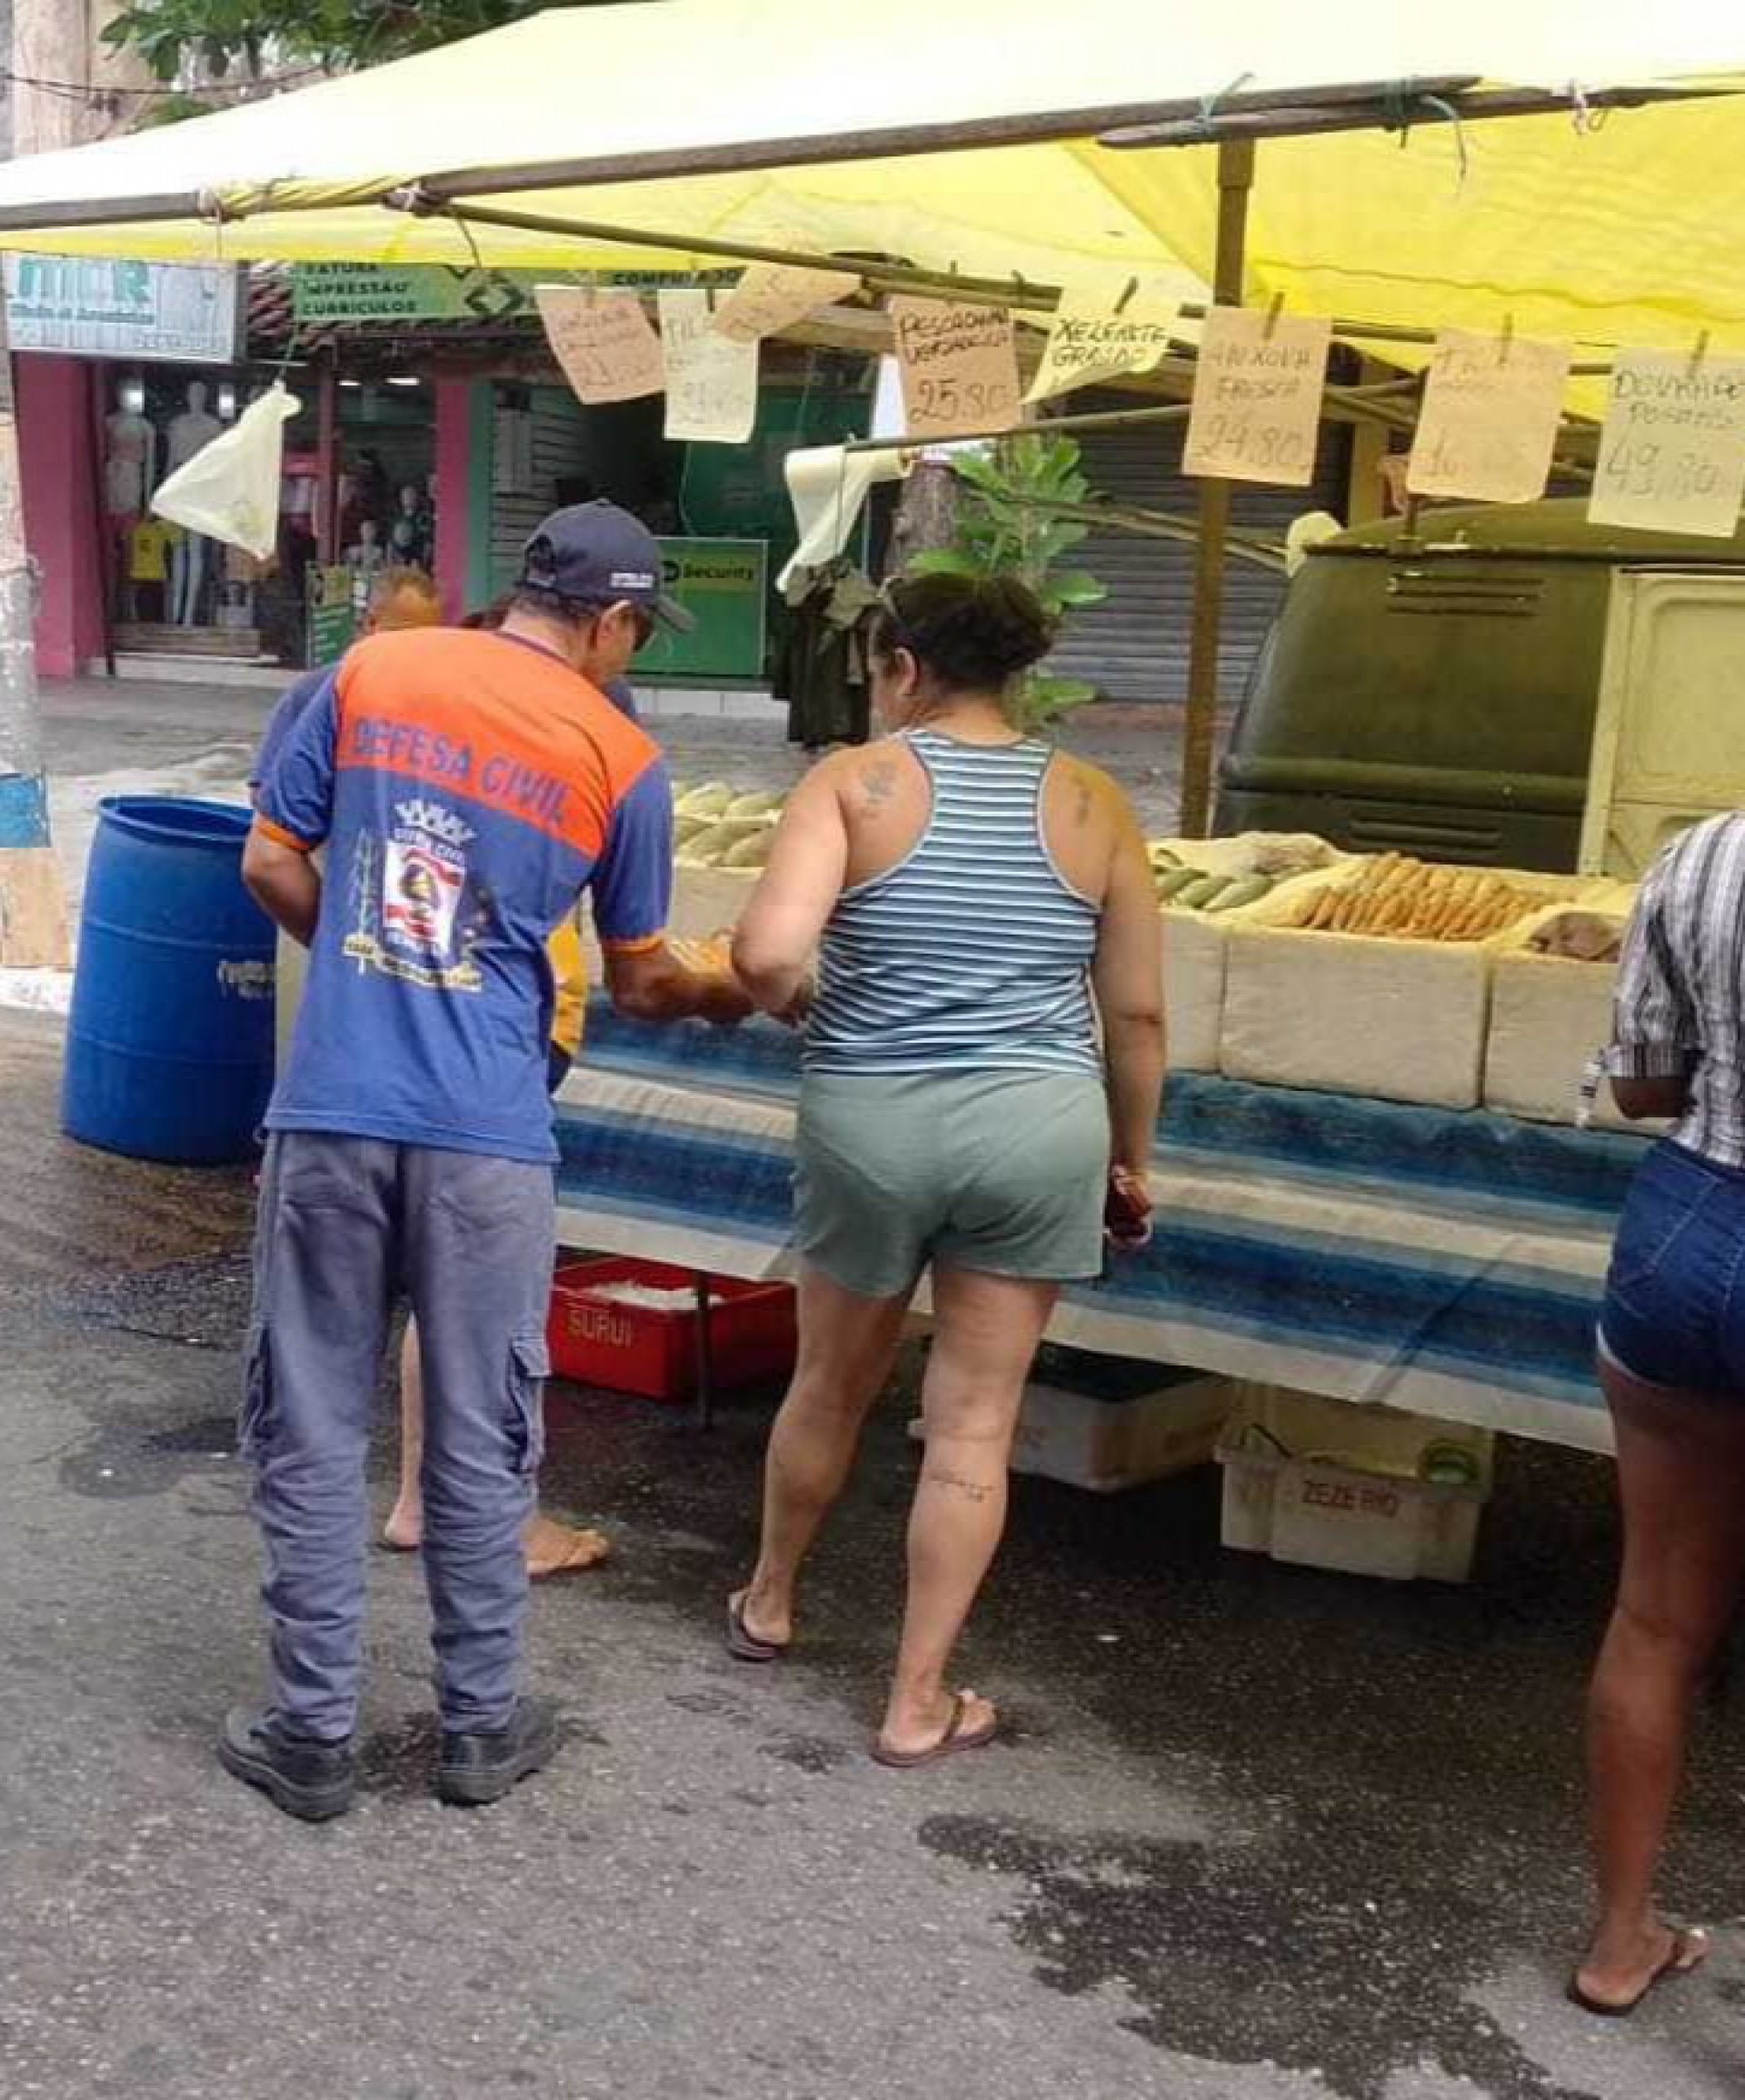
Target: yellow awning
1630 227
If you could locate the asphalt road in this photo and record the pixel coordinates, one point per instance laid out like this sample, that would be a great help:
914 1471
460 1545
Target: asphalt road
1258 1834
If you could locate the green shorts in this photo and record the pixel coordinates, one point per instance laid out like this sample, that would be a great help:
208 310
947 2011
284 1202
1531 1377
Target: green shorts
1004 1172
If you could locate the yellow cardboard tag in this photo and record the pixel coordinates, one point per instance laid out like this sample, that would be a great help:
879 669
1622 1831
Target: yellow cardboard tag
959 366
1257 389
1487 426
771 296
711 380
1089 340
602 341
1672 451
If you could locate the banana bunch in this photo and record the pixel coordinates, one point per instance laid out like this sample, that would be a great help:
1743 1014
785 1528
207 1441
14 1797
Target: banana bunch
1395 897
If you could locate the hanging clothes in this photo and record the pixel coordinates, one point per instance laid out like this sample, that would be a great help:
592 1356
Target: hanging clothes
823 674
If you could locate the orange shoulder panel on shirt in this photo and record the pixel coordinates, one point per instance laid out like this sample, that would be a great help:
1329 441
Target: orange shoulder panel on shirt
496 721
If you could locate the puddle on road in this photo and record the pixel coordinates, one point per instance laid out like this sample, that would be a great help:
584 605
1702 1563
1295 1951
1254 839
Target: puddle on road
1304 1953
118 1462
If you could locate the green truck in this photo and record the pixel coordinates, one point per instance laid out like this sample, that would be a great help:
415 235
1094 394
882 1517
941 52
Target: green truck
1434 689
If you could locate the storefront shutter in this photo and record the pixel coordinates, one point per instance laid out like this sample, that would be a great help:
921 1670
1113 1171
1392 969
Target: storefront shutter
1134 646
550 438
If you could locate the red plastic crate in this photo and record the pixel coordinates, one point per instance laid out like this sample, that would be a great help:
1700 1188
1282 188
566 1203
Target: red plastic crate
629 1348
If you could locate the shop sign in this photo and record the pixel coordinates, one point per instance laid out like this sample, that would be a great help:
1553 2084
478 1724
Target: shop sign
81 306
408 292
723 584
333 614
333 291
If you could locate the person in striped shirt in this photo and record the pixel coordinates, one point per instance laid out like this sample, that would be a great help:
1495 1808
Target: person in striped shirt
984 1062
1671 1348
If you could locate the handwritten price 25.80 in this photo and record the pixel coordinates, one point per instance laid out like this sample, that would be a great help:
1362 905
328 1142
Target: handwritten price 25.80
1650 469
950 401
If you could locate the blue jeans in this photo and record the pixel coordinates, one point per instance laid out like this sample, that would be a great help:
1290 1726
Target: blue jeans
345 1224
1674 1312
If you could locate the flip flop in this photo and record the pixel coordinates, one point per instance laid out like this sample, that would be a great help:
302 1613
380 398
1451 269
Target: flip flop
955 1738
383 1544
580 1549
1689 1951
744 1645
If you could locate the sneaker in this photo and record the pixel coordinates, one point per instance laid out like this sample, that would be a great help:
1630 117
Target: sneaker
309 1780
479 1766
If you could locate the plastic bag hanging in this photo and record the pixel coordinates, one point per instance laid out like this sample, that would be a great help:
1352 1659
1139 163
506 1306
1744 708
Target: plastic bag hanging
230 489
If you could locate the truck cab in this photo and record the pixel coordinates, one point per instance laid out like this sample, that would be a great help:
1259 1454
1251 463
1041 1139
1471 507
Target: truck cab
1431 687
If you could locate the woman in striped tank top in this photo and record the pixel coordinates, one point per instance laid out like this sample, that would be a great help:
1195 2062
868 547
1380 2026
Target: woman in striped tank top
983 1064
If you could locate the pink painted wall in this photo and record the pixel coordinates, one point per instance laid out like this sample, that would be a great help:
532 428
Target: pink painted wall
55 443
453 479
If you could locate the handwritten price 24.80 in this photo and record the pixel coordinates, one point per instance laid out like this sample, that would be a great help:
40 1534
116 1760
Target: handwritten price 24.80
1263 448
1647 468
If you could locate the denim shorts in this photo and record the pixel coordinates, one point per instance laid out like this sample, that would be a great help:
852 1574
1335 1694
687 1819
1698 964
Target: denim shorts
1674 1312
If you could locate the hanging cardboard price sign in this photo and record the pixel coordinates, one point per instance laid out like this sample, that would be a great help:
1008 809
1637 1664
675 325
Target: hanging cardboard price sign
1090 339
1257 389
771 296
959 366
602 341
1488 427
710 382
1672 451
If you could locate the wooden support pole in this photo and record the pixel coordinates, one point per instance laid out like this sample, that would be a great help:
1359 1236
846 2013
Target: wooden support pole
1363 499
1235 180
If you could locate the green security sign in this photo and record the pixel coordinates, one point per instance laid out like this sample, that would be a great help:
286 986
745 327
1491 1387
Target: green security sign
723 584
411 292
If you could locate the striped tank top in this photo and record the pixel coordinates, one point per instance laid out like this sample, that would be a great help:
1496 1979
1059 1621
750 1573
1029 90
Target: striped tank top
973 951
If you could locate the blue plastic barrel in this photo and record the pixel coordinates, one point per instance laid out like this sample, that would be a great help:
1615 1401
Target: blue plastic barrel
169 1052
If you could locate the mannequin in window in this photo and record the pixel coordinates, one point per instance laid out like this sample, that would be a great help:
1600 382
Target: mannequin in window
409 537
190 432
129 477
365 560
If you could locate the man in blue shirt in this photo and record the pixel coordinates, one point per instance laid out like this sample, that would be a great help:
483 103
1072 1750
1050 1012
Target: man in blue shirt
465 788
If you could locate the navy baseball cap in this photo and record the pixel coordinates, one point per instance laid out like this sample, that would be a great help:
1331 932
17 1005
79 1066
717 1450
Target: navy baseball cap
593 553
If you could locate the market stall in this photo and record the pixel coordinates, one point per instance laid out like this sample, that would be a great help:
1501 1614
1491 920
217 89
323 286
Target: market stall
1448 1263
1358 1202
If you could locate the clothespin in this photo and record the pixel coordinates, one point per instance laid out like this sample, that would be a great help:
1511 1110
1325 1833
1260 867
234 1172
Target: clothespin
1272 312
1126 297
1506 341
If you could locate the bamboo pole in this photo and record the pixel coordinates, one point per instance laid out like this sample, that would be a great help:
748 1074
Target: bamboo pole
1399 107
882 273
1235 182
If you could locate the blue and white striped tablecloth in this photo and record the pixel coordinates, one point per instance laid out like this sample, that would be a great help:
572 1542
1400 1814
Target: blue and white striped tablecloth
1446 1263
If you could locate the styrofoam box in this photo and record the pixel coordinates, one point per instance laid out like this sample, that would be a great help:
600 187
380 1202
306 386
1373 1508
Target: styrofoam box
1397 1020
1350 1013
1106 1422
1323 1484
1548 1016
1195 948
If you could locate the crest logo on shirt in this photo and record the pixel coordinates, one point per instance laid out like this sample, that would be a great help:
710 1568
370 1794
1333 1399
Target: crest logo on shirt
423 874
409 889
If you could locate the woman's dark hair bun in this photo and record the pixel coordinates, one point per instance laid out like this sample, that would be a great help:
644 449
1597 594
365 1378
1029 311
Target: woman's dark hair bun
970 632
